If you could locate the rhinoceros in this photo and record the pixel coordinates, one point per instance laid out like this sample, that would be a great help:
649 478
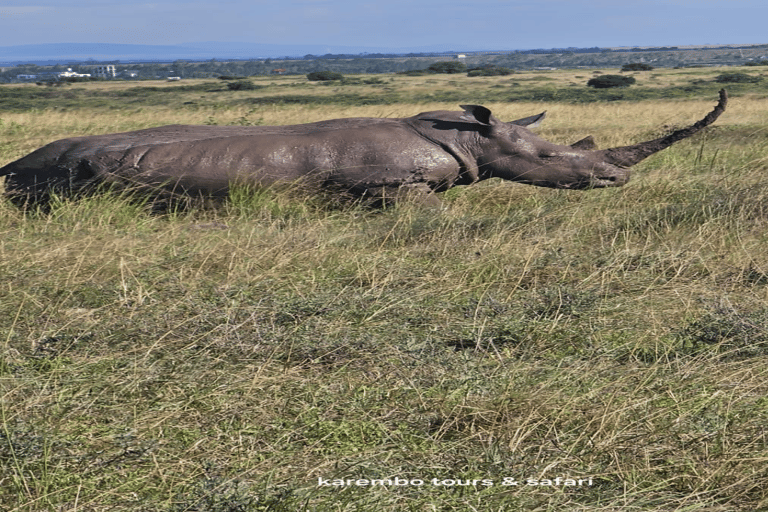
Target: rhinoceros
365 157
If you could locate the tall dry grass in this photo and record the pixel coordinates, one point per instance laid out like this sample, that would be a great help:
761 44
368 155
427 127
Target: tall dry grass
227 359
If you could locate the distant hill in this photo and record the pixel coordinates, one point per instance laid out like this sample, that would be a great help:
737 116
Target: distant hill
80 52
345 59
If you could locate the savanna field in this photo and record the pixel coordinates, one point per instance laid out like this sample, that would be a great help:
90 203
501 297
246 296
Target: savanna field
518 349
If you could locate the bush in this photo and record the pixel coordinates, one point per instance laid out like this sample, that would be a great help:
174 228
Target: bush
727 331
737 78
242 85
636 66
449 67
608 81
489 71
76 79
51 83
321 76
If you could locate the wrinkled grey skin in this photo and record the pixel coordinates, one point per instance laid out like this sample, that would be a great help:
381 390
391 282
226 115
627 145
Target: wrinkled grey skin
366 157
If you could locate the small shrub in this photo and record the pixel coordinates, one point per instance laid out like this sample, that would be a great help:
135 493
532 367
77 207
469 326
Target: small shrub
489 71
322 76
608 81
242 85
737 78
557 301
725 330
636 66
51 83
448 67
76 79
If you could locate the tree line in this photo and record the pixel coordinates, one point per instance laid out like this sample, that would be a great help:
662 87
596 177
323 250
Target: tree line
410 63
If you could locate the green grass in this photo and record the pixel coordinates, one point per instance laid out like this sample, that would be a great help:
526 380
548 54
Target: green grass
550 86
226 359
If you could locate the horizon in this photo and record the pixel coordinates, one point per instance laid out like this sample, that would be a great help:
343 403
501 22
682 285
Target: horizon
47 54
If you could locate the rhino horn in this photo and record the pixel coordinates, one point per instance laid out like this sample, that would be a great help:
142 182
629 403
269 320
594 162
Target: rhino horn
627 156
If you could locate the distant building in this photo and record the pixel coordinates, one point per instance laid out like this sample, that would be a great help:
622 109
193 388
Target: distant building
107 71
44 76
71 74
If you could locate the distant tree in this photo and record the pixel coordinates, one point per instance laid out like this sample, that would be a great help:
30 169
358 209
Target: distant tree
636 66
319 76
489 71
449 67
608 81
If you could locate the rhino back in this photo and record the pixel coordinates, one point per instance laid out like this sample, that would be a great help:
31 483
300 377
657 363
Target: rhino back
353 153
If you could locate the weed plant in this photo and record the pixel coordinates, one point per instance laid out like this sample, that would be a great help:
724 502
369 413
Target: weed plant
247 357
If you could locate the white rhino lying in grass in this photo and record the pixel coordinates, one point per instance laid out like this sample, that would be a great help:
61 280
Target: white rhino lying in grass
365 157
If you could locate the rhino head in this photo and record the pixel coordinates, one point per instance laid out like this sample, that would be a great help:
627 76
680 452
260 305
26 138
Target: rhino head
511 152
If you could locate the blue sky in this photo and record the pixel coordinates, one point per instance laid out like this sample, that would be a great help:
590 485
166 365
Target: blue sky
456 24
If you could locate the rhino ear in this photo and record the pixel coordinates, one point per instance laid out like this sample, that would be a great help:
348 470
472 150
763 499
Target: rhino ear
531 121
587 143
479 113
